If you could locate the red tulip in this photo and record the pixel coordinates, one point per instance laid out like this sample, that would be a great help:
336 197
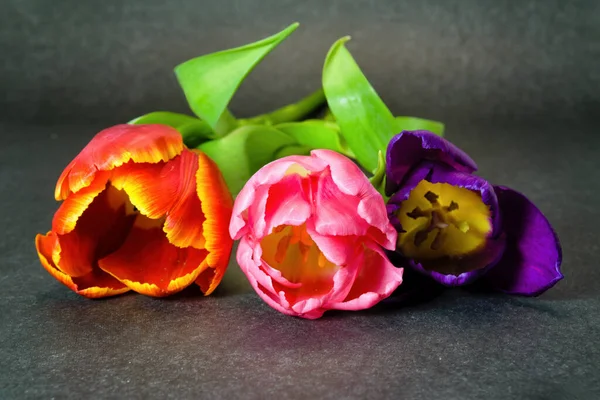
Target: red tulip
141 212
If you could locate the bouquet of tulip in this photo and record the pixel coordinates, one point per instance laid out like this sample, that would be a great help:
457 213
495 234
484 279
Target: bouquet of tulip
148 206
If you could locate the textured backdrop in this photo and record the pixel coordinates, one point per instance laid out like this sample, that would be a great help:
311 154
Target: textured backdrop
112 60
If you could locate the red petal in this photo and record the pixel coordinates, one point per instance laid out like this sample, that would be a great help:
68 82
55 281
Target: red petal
184 223
115 146
217 204
167 189
94 285
73 207
149 264
152 188
100 230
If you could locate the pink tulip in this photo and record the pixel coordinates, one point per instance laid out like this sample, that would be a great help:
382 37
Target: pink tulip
312 230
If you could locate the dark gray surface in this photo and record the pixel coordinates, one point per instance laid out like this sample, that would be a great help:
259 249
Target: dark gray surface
517 82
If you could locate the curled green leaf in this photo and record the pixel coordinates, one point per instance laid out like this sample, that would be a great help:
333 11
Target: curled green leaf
193 130
365 121
210 81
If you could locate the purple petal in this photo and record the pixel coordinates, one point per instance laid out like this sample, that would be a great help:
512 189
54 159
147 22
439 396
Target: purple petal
474 265
407 149
531 262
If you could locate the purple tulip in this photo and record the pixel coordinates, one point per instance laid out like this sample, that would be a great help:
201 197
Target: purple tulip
457 228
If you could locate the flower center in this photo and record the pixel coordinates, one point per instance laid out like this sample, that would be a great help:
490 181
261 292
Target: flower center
442 220
291 250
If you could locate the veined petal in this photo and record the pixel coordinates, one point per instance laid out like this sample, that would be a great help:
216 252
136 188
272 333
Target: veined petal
337 249
216 204
345 174
152 188
95 284
147 263
184 222
350 180
100 230
114 147
336 213
287 203
531 262
376 280
259 280
74 206
256 189
409 148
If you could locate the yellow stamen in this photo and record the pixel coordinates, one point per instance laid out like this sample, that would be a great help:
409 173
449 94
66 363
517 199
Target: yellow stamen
322 260
282 248
442 220
291 250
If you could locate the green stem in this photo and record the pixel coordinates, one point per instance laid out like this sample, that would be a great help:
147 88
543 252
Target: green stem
290 113
378 178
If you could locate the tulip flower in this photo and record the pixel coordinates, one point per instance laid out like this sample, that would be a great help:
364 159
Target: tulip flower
312 230
140 211
457 228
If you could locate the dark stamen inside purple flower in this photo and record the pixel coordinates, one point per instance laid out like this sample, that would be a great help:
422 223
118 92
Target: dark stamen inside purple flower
438 220
441 225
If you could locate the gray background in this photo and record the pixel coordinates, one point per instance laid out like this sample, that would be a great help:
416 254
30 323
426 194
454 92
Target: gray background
517 83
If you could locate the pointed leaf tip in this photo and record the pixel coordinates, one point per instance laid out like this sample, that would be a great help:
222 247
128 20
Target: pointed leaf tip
210 81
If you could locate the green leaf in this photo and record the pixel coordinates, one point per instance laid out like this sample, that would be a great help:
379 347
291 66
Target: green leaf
244 151
210 81
378 178
365 121
416 124
293 150
193 130
316 134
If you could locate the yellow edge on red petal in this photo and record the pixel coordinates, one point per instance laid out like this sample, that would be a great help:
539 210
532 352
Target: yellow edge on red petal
92 292
176 285
163 148
184 225
73 207
217 205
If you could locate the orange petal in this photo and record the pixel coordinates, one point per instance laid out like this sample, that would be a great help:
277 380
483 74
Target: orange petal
152 188
99 231
149 264
217 204
115 146
73 207
94 285
184 223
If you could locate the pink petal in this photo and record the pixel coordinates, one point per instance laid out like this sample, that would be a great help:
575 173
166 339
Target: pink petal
287 203
265 177
377 279
336 213
346 174
350 180
336 249
261 282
